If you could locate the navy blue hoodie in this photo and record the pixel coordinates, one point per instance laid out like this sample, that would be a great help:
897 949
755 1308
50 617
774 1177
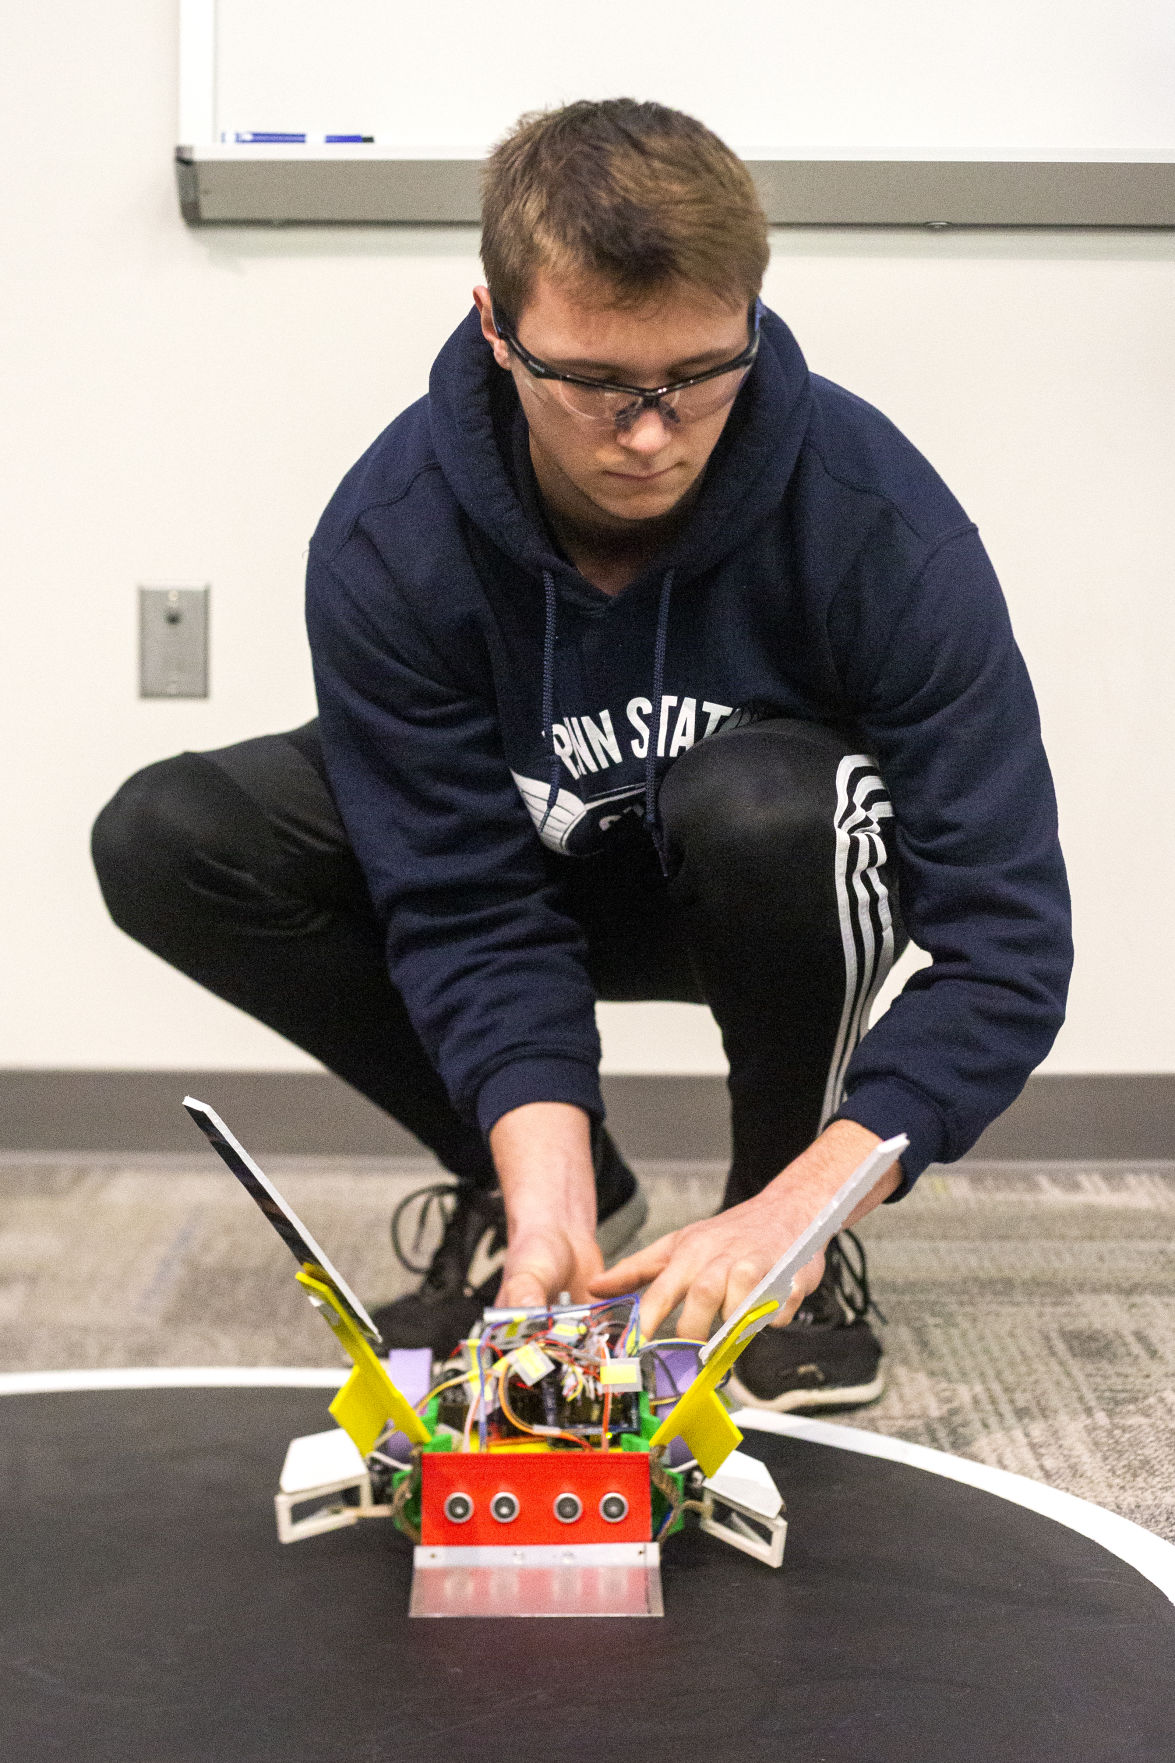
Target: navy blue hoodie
475 691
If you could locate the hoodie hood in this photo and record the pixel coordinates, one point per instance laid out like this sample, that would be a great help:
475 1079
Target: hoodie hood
478 432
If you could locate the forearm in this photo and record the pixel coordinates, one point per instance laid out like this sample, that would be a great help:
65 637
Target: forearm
543 1156
816 1174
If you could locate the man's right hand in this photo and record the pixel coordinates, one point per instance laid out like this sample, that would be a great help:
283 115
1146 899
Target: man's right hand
543 1156
543 1263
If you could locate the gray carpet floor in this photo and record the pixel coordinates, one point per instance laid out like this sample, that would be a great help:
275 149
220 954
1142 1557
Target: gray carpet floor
1030 1309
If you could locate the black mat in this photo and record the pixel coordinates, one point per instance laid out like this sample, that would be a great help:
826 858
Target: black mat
149 1615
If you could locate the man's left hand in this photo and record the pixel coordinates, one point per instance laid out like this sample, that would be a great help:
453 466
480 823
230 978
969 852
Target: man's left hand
710 1266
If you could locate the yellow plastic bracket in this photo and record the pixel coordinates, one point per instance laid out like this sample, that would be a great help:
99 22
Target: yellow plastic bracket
369 1398
700 1417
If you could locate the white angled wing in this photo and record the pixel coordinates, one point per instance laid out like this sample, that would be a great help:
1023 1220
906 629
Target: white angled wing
280 1214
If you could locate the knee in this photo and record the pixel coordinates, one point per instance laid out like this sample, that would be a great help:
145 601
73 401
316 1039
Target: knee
159 830
125 839
757 795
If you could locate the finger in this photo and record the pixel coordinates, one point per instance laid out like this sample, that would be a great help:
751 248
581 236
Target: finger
805 1282
703 1301
666 1293
743 1277
636 1270
523 1291
589 1260
589 1264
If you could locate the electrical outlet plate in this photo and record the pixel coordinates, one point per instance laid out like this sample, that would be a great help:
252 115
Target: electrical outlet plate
173 641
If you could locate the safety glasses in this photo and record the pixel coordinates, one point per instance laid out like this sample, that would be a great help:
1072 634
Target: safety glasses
612 405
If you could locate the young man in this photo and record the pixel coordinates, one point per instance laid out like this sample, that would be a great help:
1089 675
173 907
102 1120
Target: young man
649 665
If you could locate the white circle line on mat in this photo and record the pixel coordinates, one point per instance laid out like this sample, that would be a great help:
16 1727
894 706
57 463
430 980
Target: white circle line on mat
1148 1554
171 1377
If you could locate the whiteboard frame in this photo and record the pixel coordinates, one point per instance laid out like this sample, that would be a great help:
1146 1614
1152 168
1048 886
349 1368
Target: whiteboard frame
222 185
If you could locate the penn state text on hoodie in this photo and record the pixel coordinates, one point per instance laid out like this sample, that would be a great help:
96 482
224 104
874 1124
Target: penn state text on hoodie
475 690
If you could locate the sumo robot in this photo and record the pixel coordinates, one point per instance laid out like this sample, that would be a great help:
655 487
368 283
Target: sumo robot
540 1469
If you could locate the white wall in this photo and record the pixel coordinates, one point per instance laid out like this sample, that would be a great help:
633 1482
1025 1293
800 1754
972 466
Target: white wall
179 405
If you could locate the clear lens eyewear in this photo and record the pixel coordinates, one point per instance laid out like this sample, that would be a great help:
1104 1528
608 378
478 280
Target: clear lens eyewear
618 406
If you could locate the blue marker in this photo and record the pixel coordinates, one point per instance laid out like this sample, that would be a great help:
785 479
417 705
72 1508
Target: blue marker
284 138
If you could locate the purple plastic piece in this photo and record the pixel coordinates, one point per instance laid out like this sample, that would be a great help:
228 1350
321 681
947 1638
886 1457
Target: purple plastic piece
410 1369
675 1367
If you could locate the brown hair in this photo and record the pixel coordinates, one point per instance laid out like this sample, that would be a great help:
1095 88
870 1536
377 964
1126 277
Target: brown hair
634 195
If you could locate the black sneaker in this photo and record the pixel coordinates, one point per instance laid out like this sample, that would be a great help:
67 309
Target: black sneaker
465 1272
827 1356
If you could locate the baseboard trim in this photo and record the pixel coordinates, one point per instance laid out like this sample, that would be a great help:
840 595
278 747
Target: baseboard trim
1115 1116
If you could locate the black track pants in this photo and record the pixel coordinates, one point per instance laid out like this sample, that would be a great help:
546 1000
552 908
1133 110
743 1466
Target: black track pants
780 914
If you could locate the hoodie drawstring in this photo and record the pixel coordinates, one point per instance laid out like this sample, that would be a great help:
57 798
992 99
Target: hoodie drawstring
651 821
659 645
549 692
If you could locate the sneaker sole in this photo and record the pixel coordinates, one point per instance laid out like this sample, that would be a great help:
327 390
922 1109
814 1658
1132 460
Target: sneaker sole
617 1231
850 1396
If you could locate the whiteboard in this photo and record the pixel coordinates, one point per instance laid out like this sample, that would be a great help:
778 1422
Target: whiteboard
842 108
772 77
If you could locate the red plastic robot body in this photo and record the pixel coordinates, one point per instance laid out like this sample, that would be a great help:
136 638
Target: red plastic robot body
509 1498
